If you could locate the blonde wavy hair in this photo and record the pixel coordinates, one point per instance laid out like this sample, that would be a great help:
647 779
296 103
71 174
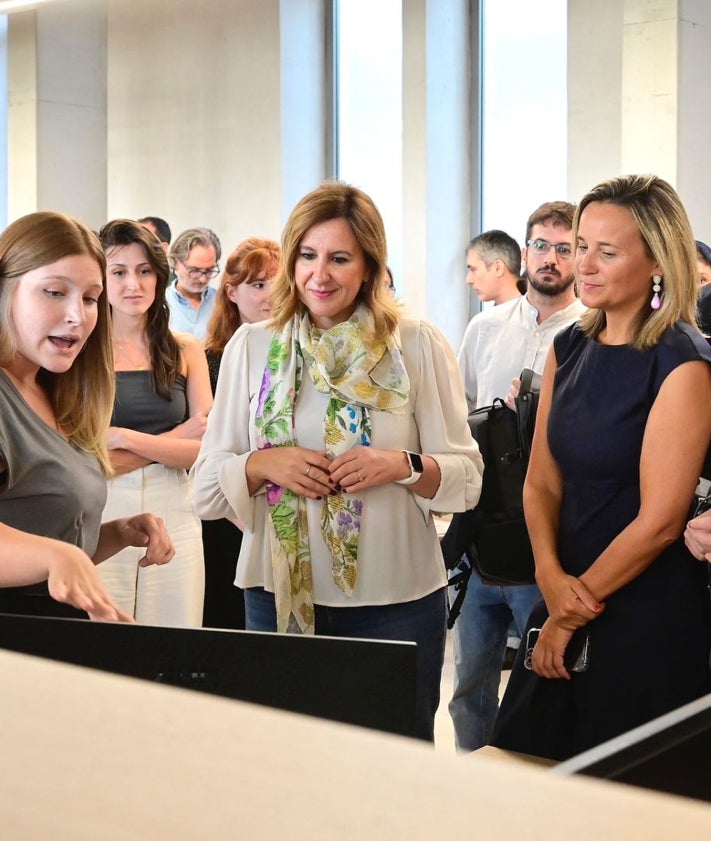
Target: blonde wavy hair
336 200
666 233
82 398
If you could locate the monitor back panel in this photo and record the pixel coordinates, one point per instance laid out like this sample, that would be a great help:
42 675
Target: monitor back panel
670 754
363 682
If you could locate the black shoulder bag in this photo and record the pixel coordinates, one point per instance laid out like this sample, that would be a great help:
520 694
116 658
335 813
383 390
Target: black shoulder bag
492 538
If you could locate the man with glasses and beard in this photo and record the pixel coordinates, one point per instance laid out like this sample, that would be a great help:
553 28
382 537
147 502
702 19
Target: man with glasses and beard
194 260
498 344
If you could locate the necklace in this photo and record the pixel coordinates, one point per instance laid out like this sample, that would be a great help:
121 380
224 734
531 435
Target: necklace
139 366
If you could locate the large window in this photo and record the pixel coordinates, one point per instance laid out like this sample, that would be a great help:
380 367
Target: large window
368 97
3 121
524 110
518 86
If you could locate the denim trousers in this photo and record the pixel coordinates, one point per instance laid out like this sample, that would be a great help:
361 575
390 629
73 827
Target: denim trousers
422 621
479 637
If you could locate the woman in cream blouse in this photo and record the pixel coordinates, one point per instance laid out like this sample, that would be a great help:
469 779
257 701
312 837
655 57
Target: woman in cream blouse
338 428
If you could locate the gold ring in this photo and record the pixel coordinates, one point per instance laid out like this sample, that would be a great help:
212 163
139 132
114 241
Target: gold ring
360 478
308 469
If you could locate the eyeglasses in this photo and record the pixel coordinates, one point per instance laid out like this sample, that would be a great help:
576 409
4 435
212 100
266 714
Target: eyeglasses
196 274
542 246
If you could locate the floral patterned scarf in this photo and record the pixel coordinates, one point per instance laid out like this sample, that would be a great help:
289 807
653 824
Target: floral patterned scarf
357 376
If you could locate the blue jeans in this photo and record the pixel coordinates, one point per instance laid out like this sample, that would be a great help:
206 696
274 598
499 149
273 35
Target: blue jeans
479 637
422 621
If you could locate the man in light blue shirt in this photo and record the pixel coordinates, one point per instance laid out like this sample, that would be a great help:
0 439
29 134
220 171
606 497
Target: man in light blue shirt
194 259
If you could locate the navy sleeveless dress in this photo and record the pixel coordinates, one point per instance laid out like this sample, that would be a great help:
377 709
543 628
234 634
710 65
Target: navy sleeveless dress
649 649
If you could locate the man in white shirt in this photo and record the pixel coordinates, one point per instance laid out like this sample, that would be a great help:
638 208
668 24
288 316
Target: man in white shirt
494 267
497 345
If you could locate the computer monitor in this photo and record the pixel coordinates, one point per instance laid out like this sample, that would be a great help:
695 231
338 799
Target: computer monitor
363 682
670 754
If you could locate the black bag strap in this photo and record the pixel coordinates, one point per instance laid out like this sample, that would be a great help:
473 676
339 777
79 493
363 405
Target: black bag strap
526 409
530 382
459 581
457 537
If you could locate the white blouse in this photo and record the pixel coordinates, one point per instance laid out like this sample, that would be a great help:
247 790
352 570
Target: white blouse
399 558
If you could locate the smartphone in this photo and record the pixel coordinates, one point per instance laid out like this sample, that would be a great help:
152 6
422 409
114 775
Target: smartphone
531 640
577 653
703 504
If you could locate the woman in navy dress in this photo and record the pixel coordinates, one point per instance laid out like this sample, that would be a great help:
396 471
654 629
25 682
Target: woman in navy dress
623 426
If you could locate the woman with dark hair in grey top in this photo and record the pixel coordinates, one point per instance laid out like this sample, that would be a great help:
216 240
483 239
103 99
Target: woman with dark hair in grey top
163 396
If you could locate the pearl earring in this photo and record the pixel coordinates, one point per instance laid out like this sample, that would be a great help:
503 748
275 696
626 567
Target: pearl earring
657 288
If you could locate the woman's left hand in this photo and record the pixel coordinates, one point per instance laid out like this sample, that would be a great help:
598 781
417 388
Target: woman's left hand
367 467
698 536
569 602
149 531
547 659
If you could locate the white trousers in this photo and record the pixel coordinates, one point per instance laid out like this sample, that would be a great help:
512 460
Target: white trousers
168 595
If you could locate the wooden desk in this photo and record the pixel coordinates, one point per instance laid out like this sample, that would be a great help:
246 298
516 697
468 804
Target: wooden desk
490 752
89 755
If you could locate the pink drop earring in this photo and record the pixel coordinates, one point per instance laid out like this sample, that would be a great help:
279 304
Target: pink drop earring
657 288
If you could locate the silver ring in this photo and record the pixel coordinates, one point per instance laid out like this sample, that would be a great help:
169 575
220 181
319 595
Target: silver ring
308 470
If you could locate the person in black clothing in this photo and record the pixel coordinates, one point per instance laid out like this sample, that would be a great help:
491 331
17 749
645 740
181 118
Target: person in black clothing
703 263
622 429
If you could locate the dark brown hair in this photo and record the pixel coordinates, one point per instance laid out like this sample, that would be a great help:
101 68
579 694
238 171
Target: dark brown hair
163 346
557 213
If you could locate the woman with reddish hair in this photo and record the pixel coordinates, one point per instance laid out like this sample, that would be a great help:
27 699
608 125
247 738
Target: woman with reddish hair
243 298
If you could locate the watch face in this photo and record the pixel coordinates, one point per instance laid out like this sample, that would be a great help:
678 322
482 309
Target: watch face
416 463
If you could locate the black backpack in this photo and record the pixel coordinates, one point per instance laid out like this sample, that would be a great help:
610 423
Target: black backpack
492 538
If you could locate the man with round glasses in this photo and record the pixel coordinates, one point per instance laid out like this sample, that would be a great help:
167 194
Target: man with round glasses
498 344
194 258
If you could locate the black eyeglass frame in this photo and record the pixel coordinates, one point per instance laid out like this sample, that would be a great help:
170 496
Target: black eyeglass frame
562 249
195 273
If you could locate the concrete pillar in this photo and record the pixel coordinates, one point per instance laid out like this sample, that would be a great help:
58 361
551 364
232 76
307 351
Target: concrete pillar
414 153
57 153
306 99
650 86
594 93
694 114
437 171
638 98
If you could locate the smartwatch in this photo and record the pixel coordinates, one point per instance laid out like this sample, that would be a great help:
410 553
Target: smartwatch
416 468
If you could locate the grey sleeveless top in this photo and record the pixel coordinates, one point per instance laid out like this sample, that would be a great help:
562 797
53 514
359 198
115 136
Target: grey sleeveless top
137 406
50 487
